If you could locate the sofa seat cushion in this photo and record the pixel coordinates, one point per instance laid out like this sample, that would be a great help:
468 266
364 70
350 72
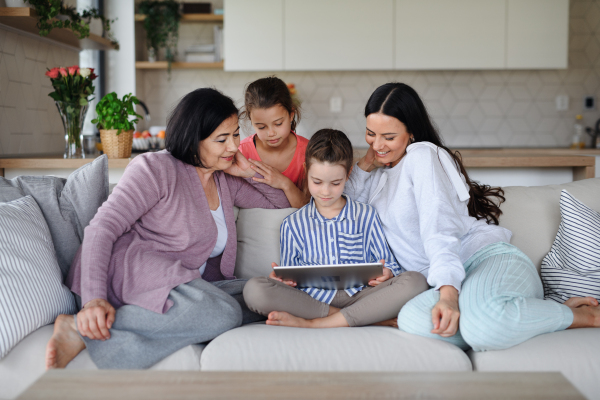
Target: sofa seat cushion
259 347
25 363
575 353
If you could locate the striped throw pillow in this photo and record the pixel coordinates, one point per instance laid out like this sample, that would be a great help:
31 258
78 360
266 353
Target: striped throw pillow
572 267
31 291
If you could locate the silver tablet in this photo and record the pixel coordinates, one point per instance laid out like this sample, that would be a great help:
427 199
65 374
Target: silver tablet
335 276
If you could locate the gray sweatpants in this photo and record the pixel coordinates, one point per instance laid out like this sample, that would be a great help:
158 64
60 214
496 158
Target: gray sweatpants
201 311
370 305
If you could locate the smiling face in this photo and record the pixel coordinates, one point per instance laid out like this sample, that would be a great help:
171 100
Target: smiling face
326 184
388 137
272 125
217 150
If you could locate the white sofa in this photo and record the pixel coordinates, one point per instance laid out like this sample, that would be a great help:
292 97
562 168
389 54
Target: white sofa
531 213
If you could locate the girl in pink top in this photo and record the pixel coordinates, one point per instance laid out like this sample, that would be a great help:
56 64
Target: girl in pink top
275 151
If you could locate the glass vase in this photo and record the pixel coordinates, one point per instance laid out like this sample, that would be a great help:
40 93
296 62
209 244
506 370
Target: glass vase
73 116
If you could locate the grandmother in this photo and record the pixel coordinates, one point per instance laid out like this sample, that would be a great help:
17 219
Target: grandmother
155 270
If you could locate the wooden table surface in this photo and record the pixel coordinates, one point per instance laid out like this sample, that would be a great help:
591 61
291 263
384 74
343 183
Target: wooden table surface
150 385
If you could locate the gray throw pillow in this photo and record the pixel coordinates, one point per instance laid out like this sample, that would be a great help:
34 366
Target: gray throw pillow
68 205
31 291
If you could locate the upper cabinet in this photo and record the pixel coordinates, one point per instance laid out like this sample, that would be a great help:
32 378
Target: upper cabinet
253 35
338 35
538 33
457 34
309 35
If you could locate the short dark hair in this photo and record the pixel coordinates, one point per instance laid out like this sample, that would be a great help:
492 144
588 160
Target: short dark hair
329 146
194 119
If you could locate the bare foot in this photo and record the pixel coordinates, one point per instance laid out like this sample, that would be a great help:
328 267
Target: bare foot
65 343
388 322
282 318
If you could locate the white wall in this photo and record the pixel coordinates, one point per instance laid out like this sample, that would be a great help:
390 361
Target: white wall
120 65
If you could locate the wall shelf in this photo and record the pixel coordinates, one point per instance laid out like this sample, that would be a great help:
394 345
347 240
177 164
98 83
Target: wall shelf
190 18
177 65
24 19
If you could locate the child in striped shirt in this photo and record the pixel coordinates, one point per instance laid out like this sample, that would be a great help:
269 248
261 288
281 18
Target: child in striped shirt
333 229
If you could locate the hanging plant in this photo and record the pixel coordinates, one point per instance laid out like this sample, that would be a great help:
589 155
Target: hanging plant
48 10
162 26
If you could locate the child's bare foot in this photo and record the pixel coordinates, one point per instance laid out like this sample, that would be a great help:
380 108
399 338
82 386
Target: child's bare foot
282 318
586 312
388 322
65 343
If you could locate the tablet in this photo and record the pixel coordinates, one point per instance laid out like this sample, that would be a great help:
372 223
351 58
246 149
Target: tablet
334 276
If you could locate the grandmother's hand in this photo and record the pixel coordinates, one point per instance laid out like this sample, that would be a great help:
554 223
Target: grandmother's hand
95 319
241 167
271 176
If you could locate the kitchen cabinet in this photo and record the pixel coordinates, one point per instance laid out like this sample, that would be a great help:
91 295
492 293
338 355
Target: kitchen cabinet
457 34
537 34
338 35
253 35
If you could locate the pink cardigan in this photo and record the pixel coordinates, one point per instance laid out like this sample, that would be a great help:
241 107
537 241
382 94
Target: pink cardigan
155 231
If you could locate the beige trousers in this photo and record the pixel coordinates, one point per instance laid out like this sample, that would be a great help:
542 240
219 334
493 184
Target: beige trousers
372 304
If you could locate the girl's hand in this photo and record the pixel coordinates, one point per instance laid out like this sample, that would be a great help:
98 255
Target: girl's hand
369 162
241 167
287 281
387 274
95 319
445 314
271 176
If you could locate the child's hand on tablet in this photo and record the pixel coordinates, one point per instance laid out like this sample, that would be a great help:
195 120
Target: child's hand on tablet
287 281
387 274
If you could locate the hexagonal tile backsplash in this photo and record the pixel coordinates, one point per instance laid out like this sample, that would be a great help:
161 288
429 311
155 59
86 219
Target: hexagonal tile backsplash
471 108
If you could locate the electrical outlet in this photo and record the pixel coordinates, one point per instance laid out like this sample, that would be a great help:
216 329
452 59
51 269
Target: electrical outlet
562 102
589 103
335 104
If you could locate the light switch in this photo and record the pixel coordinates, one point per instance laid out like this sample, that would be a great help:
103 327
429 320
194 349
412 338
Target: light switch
335 104
562 102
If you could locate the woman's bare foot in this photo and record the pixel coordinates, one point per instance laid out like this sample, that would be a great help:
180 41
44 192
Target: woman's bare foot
388 322
586 312
283 318
65 343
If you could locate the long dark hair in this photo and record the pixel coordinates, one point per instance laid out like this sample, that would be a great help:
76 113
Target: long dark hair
194 119
268 92
403 103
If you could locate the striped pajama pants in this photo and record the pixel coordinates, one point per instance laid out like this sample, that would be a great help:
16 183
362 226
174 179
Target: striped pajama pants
501 303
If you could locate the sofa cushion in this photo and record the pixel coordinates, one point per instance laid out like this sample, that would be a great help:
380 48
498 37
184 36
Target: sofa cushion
259 347
258 241
67 204
572 267
533 214
575 353
25 363
31 290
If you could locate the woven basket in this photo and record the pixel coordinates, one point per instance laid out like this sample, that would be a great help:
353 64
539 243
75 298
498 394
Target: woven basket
116 146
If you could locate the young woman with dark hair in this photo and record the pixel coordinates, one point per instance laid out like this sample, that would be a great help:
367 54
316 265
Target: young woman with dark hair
440 223
155 269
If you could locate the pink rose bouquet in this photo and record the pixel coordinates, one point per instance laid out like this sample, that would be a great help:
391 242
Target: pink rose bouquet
72 84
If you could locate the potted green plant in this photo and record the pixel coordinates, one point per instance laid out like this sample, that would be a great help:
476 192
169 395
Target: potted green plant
114 123
162 27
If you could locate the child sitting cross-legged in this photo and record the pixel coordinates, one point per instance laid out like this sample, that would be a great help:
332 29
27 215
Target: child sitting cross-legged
333 229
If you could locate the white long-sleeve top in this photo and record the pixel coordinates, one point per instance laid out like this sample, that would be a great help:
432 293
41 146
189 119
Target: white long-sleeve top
426 224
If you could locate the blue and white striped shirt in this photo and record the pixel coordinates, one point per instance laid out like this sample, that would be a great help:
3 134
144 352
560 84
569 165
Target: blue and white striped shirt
354 236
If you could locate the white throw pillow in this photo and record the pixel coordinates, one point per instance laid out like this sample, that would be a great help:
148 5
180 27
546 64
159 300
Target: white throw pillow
31 290
572 267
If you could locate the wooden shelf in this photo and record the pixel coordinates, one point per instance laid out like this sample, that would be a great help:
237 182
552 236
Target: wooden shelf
190 18
177 65
24 19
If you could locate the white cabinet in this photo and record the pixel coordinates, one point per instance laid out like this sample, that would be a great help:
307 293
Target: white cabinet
457 34
253 35
538 33
338 35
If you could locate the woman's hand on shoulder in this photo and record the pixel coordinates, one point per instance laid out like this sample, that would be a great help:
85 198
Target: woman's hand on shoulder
387 274
271 176
369 161
95 319
445 314
275 277
241 167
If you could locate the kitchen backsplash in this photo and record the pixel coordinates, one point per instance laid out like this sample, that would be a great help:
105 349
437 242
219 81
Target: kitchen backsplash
471 108
29 121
